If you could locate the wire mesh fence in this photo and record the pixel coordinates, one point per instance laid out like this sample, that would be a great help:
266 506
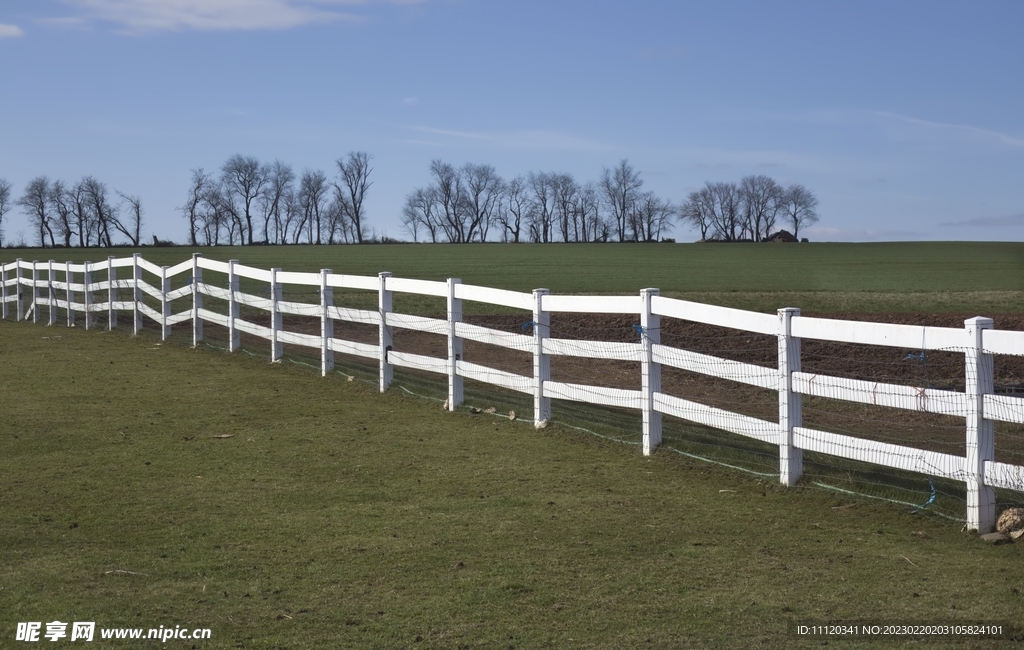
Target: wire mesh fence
875 400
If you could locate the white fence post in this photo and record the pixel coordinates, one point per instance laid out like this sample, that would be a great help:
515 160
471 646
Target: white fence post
136 294
276 319
791 458
68 293
234 336
51 295
111 294
35 292
326 324
650 334
385 305
3 286
456 393
981 499
541 361
165 304
197 300
87 295
17 287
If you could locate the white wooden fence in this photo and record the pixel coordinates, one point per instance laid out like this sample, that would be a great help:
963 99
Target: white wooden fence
28 288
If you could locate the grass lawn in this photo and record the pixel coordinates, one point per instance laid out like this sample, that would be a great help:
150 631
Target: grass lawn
336 517
981 277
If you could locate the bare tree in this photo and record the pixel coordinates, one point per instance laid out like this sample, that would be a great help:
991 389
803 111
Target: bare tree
85 221
593 227
761 200
650 216
338 228
313 198
244 177
450 201
799 205
230 215
62 203
565 192
542 209
698 211
5 204
133 230
36 203
279 183
514 209
218 215
724 210
95 194
482 196
419 211
201 183
291 215
354 173
620 187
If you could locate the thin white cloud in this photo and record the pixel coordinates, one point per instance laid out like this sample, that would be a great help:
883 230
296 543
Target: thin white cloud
526 139
67 22
907 128
410 101
145 16
965 129
989 222
454 134
425 143
10 31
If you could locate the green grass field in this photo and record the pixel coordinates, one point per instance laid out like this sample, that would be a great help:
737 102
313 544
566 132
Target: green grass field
980 277
336 517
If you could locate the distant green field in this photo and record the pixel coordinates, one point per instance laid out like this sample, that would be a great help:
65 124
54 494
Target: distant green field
982 277
336 517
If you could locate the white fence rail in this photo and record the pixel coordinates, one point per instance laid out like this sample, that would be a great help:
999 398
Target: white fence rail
30 288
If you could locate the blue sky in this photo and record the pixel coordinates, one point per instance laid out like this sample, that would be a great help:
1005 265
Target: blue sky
905 118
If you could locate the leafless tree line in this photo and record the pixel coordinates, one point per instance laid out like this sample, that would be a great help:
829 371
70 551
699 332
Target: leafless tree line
472 203
82 214
253 202
750 210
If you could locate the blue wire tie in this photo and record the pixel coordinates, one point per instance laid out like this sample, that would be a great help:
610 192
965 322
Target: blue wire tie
930 500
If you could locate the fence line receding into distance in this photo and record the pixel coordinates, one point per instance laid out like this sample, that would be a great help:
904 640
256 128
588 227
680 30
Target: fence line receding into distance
31 288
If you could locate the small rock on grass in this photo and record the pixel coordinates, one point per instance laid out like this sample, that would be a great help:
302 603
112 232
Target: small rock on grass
995 538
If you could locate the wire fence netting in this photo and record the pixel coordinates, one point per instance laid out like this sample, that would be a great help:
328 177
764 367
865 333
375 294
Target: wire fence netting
600 359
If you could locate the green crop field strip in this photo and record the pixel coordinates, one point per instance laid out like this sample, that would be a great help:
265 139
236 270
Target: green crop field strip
338 517
820 277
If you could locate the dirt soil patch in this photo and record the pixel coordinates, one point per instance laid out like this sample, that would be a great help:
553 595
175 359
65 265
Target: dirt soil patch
935 369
